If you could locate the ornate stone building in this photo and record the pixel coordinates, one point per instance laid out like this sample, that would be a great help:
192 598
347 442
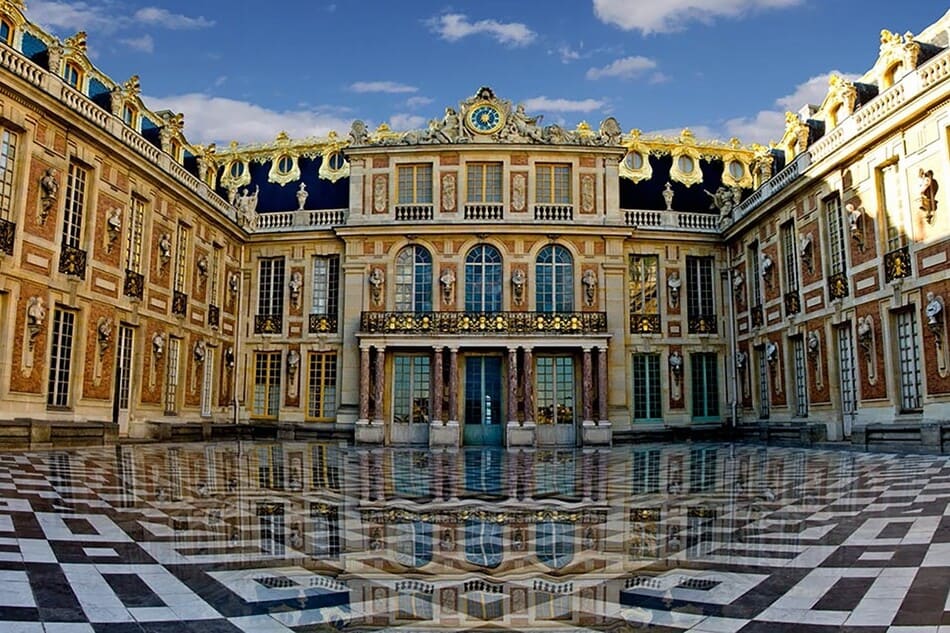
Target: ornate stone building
487 280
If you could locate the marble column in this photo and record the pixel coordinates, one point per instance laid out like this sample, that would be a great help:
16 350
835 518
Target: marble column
512 384
437 390
379 379
528 375
602 384
587 386
364 384
453 385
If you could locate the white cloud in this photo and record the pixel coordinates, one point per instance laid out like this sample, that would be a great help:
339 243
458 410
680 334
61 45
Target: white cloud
547 104
701 132
381 86
169 20
659 78
144 44
673 15
568 54
404 121
455 26
624 68
220 120
769 125
417 102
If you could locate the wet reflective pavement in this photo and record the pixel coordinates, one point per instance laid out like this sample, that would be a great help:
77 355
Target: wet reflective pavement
315 537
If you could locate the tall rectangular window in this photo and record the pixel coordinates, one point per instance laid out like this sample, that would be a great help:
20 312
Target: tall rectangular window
213 275
321 396
553 184
326 531
171 376
484 182
801 377
705 386
133 247
270 297
836 242
61 356
891 201
75 207
643 286
849 385
181 257
410 388
700 301
270 519
764 392
326 469
755 278
415 184
8 149
326 284
124 370
207 383
790 255
647 406
266 384
908 352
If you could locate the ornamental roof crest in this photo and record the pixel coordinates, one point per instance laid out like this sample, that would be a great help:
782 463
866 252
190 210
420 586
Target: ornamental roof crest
485 118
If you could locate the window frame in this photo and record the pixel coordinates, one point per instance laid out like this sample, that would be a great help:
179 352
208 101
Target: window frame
74 209
270 286
267 366
700 289
413 284
554 279
484 287
322 375
480 189
553 183
62 343
650 389
9 142
417 187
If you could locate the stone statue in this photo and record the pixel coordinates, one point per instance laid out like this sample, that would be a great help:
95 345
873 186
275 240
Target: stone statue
740 360
933 309
104 334
928 193
165 247
525 126
673 282
771 352
201 350
449 129
302 196
813 342
35 317
295 285
589 280
293 362
518 281
202 265
50 188
724 200
158 345
358 133
114 221
676 363
376 280
866 331
668 196
610 131
738 280
234 283
247 204
447 279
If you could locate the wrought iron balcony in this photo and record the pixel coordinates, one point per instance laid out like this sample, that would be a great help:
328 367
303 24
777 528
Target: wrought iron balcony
793 303
322 324
179 303
645 324
702 324
897 264
268 323
7 235
214 315
134 285
483 323
838 286
72 261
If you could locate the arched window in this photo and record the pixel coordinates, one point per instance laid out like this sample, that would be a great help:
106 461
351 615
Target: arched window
483 279
414 280
6 32
483 543
554 544
72 73
554 274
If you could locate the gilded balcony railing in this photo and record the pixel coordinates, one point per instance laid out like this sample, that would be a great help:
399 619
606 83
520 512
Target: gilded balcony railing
134 285
7 234
72 261
897 264
645 324
483 323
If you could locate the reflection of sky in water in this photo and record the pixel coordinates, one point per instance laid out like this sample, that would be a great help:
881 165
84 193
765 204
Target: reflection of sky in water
277 537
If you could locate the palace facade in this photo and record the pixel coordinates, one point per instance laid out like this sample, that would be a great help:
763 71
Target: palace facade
488 280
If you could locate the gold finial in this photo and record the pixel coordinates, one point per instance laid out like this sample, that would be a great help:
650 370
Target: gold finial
282 137
687 137
77 42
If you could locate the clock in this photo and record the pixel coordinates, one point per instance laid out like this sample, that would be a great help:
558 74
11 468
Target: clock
484 118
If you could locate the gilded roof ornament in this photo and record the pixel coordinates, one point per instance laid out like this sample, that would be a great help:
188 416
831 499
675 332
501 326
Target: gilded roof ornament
77 42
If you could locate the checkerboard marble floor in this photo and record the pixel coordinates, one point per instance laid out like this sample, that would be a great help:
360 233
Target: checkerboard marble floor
230 537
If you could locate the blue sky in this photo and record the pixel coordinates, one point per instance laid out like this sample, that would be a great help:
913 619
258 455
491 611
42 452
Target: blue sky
242 69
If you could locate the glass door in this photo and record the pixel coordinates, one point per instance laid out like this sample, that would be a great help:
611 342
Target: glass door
483 404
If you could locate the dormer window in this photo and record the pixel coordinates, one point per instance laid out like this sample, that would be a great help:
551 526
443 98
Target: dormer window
175 150
128 115
6 32
72 74
890 75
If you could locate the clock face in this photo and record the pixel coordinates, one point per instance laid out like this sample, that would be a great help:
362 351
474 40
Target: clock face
484 118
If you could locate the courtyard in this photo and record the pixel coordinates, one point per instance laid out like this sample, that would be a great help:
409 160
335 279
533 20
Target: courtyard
315 536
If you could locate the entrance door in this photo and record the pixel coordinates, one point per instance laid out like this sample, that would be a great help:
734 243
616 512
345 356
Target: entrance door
555 398
483 405
849 400
123 379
